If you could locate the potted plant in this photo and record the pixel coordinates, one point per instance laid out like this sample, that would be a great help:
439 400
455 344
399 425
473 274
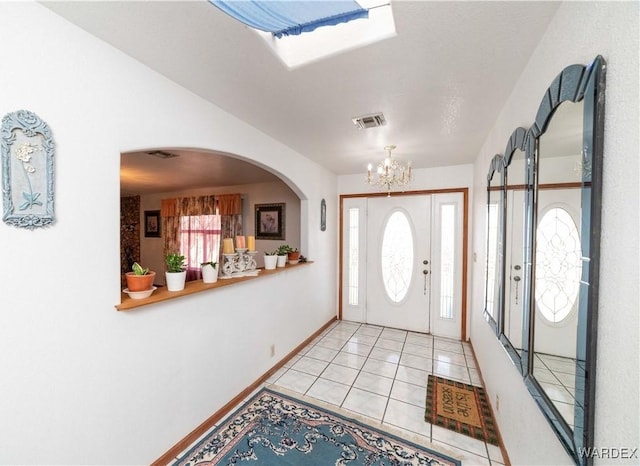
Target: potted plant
209 272
270 260
282 251
293 256
140 278
176 273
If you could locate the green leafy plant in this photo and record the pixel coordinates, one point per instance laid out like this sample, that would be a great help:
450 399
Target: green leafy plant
211 263
175 263
284 249
138 269
271 253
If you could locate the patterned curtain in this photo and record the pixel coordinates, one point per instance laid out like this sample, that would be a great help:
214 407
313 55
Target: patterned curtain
170 225
230 209
198 237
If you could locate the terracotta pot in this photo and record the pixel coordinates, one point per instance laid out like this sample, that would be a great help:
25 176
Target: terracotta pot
294 257
140 282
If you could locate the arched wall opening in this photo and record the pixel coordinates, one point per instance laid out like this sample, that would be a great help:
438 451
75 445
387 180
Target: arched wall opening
148 176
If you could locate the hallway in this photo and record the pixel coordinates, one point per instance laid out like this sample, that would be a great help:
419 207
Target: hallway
380 374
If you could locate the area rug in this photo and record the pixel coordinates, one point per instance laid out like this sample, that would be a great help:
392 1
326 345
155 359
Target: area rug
275 429
460 407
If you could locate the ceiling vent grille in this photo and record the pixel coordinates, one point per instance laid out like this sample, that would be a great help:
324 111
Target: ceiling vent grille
369 121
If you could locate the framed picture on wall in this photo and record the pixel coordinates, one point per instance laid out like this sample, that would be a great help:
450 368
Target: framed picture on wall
270 222
152 223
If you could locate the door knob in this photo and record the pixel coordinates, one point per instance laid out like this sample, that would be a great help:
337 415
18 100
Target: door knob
425 262
425 272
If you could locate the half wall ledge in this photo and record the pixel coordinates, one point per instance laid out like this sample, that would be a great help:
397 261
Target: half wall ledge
196 286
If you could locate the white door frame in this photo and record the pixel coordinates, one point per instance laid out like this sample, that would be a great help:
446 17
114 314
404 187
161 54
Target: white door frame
465 246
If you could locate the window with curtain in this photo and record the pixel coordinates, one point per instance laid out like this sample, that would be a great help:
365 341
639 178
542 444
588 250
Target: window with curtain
199 242
194 227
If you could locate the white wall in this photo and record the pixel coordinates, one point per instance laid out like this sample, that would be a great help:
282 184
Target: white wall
579 32
82 383
152 249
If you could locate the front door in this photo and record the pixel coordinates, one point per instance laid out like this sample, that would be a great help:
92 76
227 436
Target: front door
398 262
402 262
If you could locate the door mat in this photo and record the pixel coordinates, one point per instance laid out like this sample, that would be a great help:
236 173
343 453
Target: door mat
460 407
272 429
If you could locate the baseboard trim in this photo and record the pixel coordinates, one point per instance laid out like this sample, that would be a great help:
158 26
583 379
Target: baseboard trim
505 456
183 444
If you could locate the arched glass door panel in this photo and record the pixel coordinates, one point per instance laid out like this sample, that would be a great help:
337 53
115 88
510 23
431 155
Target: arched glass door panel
397 256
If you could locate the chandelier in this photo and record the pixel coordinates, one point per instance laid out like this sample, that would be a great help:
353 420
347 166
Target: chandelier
390 173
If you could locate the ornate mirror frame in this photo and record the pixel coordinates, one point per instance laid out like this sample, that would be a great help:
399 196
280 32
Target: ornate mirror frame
494 264
516 142
576 83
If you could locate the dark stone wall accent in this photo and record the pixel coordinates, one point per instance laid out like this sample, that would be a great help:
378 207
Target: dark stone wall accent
129 234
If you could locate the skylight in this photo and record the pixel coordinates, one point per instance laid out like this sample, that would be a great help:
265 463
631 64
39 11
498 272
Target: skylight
285 18
301 34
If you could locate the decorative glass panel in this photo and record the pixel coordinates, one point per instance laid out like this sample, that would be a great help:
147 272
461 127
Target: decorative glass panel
558 265
397 256
447 259
354 253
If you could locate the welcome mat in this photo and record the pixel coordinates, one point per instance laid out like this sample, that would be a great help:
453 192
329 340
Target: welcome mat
460 407
275 429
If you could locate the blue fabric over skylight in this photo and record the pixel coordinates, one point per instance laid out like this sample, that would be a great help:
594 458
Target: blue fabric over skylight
289 17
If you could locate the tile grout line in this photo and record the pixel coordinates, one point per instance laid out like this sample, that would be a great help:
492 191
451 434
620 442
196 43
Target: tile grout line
386 406
360 370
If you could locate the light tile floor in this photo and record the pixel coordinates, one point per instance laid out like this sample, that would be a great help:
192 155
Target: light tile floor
381 373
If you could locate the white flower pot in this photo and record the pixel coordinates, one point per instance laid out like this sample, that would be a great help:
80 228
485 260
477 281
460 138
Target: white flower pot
175 280
270 262
209 273
282 261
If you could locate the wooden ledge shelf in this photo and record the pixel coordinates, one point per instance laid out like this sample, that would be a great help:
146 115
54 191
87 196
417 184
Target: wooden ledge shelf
197 286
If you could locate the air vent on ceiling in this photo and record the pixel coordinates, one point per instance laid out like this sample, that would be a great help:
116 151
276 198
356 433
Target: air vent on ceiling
369 121
162 154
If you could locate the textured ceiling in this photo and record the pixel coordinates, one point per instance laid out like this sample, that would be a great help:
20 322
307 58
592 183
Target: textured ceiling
440 82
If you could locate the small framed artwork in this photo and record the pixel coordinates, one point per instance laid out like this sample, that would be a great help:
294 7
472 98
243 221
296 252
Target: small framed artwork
270 221
152 223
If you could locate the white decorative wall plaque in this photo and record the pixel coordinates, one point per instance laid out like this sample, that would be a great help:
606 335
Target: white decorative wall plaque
27 170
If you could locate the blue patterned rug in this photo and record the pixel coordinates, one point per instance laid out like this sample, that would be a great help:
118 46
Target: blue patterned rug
275 429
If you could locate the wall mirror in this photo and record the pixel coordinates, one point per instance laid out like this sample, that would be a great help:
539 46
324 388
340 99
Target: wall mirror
515 192
558 257
543 299
566 156
494 251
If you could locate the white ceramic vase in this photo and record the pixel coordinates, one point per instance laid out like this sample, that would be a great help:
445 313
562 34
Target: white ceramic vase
209 273
270 262
175 280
